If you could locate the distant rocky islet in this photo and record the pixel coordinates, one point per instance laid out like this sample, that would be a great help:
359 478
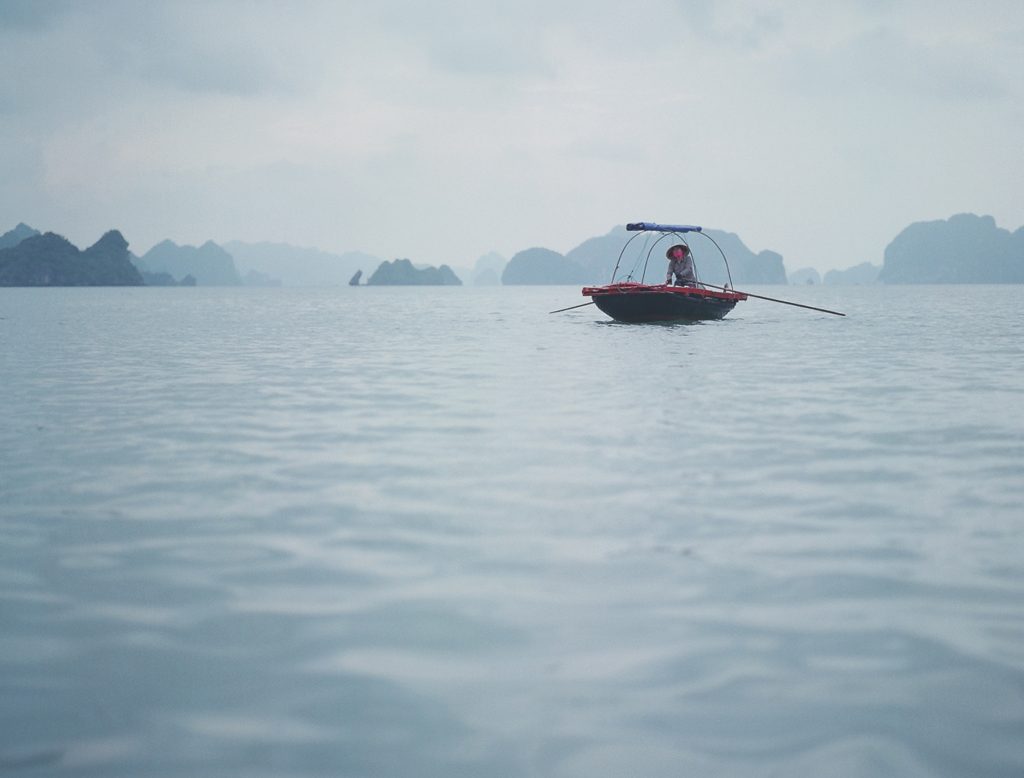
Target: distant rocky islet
51 260
402 272
965 248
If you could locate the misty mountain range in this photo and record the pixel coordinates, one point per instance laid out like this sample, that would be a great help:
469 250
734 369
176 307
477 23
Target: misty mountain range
965 248
51 260
209 264
594 260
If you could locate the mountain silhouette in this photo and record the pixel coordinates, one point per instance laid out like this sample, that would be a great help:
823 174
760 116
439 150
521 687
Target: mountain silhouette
401 272
594 260
52 260
298 266
17 235
964 249
209 264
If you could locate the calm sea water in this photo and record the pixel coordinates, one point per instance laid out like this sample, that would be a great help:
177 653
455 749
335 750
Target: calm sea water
440 532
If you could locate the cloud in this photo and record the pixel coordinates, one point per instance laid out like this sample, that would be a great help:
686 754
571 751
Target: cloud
194 64
885 62
69 54
31 15
491 57
480 125
732 26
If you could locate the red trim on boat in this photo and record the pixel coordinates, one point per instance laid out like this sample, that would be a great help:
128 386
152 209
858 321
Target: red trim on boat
631 287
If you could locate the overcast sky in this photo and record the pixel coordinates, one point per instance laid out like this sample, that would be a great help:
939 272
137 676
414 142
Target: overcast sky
445 129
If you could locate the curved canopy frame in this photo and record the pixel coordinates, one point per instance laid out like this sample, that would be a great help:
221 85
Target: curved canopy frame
667 231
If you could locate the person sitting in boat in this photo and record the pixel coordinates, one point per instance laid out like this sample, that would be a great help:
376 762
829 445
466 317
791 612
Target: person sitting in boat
680 265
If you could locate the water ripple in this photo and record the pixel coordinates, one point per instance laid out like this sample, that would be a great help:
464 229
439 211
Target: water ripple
439 532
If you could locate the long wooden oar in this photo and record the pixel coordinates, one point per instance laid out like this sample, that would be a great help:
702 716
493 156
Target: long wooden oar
581 305
773 299
726 289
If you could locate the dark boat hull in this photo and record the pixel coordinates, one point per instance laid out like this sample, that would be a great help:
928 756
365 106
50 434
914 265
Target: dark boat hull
637 303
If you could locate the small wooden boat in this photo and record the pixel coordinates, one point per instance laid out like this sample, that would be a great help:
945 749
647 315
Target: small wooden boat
630 300
634 302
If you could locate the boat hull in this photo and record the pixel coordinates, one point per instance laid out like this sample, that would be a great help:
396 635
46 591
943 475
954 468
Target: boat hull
638 303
